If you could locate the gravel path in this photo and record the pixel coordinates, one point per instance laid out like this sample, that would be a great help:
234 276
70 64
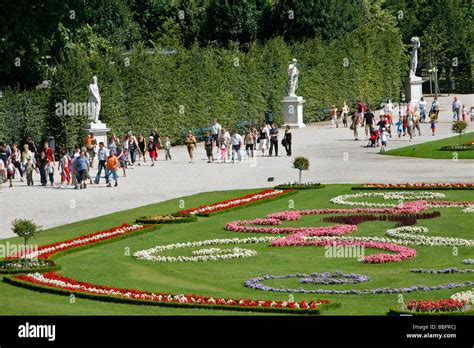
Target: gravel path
335 158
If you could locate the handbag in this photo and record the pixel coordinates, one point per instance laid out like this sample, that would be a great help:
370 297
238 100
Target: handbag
258 140
352 126
283 142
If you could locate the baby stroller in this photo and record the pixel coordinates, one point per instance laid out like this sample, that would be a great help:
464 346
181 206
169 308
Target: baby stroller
374 138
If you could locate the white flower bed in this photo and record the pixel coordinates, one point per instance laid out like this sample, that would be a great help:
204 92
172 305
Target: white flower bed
469 209
467 296
406 235
392 196
209 254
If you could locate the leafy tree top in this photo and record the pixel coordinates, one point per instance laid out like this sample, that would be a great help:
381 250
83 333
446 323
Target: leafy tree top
301 163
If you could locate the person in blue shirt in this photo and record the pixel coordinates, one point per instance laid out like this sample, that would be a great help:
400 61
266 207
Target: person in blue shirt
81 165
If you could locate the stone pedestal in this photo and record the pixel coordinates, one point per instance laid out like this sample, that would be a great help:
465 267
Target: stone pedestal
100 131
293 111
413 88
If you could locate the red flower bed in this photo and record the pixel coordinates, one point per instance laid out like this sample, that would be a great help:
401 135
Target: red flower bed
234 202
54 280
445 305
45 251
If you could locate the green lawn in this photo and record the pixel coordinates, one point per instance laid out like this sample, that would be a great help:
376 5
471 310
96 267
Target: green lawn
112 264
431 149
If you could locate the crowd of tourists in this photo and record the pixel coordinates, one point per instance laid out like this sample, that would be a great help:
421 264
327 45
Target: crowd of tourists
116 156
409 117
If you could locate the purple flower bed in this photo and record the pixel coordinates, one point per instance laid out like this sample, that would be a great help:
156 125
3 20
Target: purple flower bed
337 277
444 270
256 283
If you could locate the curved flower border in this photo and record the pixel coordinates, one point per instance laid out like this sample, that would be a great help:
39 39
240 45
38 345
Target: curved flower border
211 254
55 281
235 202
256 283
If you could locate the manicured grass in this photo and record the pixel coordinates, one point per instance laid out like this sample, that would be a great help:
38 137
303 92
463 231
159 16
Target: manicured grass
431 149
113 264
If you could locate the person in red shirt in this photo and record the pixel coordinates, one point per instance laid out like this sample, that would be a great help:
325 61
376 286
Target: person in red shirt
49 152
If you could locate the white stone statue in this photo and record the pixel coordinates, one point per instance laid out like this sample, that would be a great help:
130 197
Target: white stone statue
292 78
94 101
414 56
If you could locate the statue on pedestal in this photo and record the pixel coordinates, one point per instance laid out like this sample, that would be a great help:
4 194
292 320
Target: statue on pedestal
94 101
414 56
292 78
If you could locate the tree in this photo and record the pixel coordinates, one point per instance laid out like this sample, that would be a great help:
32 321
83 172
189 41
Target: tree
459 127
301 163
25 229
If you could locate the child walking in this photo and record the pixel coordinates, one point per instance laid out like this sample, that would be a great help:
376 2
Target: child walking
30 167
433 126
10 172
50 171
152 150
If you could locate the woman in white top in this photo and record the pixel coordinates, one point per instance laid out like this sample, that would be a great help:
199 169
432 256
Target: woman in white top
263 138
344 114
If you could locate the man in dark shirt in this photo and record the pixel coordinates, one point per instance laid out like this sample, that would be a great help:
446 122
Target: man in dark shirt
368 122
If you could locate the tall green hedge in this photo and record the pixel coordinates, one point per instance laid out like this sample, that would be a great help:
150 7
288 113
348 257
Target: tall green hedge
185 89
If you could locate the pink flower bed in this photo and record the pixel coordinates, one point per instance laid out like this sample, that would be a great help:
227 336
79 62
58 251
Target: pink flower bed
297 234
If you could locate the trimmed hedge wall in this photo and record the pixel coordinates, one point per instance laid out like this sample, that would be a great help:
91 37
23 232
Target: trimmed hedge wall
186 88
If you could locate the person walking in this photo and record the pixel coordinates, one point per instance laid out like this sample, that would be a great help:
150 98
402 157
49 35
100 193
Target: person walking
191 144
369 118
344 114
152 151
422 108
141 149
42 167
224 143
102 158
81 165
167 149
249 142
91 146
263 138
334 116
112 167
133 148
63 166
287 139
236 142
355 124
16 159
273 140
209 145
456 107
215 131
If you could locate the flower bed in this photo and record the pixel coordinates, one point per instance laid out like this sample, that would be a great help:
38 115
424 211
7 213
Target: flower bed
59 284
442 271
48 250
413 234
26 265
467 296
210 254
298 186
468 261
469 209
337 277
401 219
257 284
165 219
397 196
445 305
207 210
416 186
